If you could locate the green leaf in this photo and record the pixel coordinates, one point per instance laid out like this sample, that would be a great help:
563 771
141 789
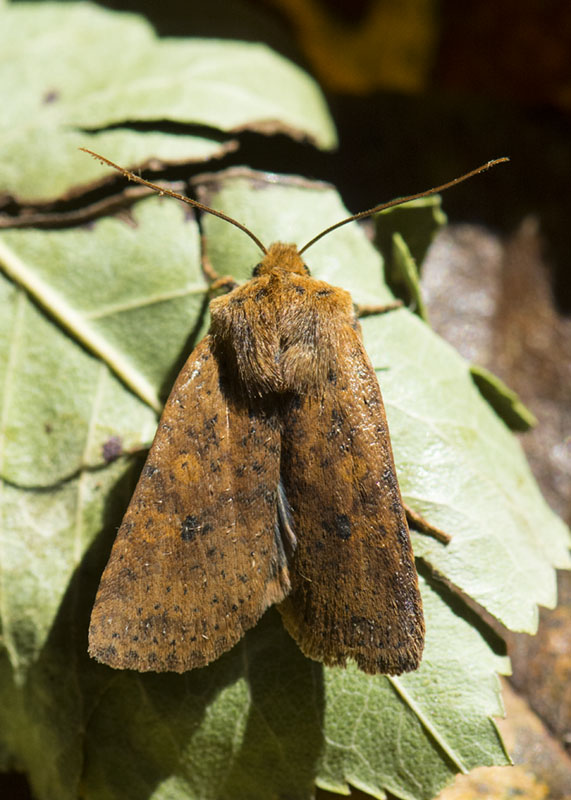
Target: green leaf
435 721
114 307
404 234
91 74
129 303
48 685
505 402
405 273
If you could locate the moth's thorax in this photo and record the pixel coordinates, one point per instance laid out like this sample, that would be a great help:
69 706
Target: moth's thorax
281 330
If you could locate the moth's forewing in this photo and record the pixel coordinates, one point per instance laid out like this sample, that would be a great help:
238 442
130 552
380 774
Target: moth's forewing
354 583
196 560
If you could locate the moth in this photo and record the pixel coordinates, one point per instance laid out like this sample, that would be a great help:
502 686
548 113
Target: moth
270 481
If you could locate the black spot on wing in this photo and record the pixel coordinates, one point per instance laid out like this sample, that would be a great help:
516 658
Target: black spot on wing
343 526
191 526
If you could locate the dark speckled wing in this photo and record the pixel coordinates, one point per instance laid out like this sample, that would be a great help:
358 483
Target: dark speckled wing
196 560
354 583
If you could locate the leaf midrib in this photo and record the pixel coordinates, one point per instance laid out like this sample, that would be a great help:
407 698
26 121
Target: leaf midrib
77 325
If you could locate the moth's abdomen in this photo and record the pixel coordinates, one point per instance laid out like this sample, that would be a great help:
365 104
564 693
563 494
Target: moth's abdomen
280 333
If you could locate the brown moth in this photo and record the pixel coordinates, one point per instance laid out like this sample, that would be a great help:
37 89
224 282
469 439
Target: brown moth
270 480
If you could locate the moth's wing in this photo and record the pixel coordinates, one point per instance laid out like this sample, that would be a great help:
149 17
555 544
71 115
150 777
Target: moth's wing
354 583
198 557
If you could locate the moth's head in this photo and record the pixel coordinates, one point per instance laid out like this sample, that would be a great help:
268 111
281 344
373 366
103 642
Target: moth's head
281 258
